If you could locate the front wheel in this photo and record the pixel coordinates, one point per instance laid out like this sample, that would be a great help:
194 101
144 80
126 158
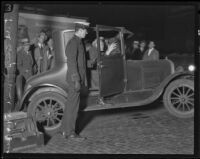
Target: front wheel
179 98
47 108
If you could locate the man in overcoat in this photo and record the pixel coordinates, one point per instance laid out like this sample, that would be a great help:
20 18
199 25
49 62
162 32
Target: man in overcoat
24 60
76 76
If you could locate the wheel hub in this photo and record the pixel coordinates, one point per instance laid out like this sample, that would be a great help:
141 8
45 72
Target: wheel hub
183 99
49 111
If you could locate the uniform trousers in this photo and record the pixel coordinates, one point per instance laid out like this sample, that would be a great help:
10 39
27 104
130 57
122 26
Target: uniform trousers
71 111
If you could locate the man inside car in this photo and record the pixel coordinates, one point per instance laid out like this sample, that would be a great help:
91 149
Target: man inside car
151 53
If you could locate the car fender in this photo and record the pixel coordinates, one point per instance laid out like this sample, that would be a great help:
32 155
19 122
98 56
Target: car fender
177 75
30 93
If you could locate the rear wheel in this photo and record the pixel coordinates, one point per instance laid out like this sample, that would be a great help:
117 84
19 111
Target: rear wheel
47 108
179 98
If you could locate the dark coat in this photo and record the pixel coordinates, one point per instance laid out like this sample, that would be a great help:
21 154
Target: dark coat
135 55
76 60
25 63
40 58
154 55
48 59
93 55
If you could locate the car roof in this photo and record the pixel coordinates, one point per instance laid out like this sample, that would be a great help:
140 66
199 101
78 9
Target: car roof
110 28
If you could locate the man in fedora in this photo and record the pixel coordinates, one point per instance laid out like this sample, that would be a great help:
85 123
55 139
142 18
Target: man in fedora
76 76
24 59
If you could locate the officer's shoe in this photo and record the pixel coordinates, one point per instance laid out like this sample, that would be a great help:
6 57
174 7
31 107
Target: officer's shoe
100 101
74 136
77 137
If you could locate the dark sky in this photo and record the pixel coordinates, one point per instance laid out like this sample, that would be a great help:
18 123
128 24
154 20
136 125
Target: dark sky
128 15
145 20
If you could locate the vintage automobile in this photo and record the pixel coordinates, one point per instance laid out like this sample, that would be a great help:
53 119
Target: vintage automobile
122 83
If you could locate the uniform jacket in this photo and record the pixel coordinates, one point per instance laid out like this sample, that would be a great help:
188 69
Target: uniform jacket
154 55
76 60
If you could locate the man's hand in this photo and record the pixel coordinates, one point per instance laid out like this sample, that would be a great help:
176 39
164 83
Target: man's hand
111 47
77 86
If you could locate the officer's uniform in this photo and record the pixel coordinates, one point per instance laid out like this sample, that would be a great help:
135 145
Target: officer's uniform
76 63
25 63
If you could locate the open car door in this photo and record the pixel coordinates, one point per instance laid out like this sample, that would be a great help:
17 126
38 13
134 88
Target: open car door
111 67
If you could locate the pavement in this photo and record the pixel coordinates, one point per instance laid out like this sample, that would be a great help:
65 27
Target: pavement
143 130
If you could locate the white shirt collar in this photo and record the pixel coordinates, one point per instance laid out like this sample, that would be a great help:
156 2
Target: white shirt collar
40 45
149 52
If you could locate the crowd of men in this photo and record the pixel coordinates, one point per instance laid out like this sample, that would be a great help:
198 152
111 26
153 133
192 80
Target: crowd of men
139 51
34 57
38 56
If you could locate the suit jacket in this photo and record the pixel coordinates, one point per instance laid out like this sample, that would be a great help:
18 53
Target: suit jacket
76 60
93 55
48 58
136 55
40 59
154 55
52 59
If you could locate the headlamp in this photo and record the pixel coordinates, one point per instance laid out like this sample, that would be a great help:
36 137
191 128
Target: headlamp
191 68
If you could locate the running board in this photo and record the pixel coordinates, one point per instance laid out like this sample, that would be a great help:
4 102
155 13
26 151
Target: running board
108 106
129 99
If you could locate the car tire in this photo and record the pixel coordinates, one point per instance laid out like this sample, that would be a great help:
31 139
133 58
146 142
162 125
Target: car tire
47 108
178 98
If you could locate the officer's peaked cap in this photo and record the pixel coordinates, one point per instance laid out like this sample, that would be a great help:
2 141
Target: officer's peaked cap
82 25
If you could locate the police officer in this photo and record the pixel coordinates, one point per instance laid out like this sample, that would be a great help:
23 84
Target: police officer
76 76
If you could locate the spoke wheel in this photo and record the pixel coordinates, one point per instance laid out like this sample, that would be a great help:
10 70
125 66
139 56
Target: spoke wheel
179 98
47 108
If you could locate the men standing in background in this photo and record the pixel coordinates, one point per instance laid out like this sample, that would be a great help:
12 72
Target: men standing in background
76 76
24 60
39 52
49 55
134 51
142 47
151 53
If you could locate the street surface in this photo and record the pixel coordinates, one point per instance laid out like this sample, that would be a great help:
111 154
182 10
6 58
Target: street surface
148 129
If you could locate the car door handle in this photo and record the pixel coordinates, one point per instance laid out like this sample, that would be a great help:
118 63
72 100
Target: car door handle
100 65
103 66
